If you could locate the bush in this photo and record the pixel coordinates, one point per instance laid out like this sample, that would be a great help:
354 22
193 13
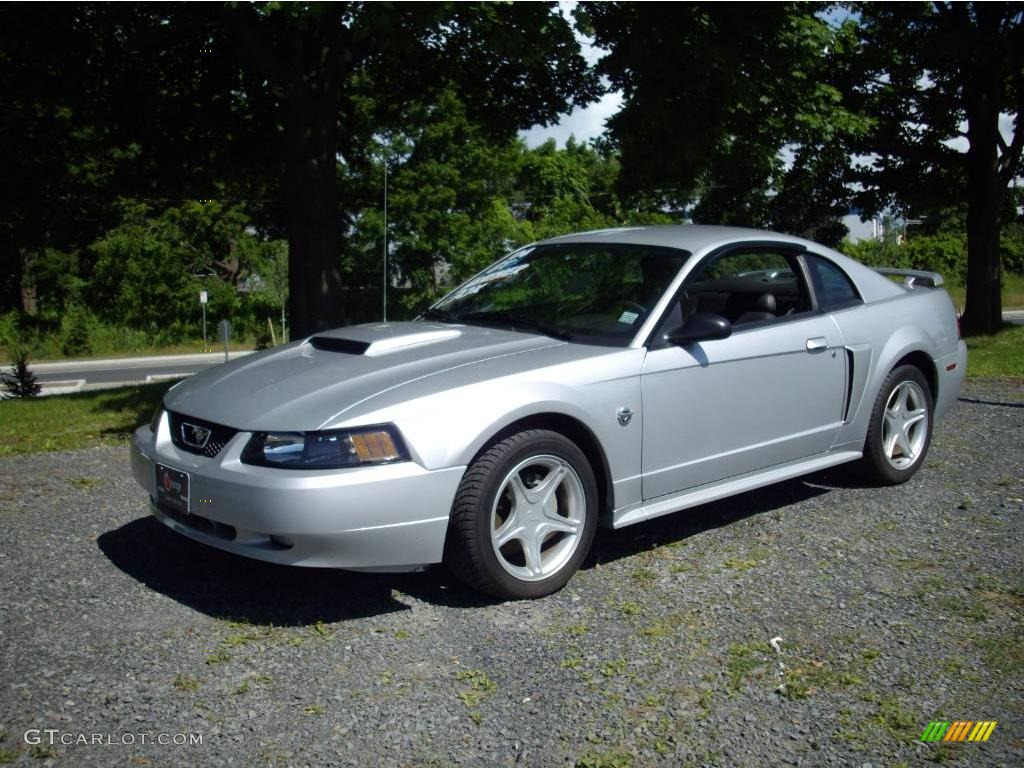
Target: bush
20 382
76 332
945 253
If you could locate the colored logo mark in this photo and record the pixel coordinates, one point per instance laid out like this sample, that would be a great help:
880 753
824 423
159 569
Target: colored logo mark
958 730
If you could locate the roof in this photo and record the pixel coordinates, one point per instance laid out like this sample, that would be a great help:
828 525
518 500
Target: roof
689 237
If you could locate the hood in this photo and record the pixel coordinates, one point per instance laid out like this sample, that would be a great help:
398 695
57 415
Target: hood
302 385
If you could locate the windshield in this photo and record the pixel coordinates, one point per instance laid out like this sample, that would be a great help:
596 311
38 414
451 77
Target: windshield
596 293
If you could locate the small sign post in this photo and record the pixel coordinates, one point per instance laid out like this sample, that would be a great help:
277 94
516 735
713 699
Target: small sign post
224 331
202 300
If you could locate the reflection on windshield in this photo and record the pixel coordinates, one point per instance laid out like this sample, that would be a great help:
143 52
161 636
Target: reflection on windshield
592 292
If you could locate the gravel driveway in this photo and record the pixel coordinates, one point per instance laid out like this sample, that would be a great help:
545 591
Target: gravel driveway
813 623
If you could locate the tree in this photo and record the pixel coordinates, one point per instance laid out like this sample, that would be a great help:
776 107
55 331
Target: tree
715 96
931 74
269 97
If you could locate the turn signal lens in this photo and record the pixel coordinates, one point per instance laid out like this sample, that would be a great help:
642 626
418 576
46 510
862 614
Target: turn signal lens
374 446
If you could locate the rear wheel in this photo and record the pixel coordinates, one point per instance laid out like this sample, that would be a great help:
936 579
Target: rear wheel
901 427
524 516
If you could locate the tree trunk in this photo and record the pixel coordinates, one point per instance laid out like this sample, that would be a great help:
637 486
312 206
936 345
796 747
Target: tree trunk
983 313
311 191
27 287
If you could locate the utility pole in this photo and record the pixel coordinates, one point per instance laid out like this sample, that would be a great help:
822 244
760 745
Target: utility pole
384 287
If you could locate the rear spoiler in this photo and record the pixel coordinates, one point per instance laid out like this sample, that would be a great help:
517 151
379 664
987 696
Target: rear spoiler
912 278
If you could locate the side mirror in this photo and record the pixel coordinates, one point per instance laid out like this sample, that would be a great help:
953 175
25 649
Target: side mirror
701 326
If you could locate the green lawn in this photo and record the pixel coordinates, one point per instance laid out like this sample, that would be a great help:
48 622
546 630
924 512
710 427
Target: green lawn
1013 292
997 356
79 420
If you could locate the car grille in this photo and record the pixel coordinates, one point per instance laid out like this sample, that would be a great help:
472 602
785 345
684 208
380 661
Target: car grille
187 426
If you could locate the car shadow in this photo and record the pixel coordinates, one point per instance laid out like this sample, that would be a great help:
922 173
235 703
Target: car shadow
675 527
234 588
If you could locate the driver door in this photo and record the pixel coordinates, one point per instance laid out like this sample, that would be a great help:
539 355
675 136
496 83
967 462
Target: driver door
770 393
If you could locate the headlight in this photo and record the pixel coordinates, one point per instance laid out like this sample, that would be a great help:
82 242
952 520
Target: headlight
158 414
325 450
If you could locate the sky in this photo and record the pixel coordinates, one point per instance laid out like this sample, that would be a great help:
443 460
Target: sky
583 123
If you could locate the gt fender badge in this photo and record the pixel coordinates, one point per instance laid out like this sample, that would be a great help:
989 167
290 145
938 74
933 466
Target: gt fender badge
624 415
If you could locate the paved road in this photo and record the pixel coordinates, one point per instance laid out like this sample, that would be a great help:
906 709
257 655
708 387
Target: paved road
94 374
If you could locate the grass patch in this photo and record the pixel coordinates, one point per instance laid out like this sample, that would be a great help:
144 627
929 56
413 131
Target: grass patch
186 683
1002 654
614 667
78 420
807 679
480 687
744 660
604 760
1000 355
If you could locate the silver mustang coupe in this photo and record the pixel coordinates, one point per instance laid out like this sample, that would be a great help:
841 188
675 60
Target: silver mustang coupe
606 377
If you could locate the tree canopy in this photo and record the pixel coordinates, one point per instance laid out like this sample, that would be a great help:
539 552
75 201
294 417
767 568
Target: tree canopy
153 149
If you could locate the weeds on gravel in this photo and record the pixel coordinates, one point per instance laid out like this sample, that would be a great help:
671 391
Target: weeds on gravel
314 709
480 687
799 682
614 667
1003 654
605 760
8 755
187 683
744 660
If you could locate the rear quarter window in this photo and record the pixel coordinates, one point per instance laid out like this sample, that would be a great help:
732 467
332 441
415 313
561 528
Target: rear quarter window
831 285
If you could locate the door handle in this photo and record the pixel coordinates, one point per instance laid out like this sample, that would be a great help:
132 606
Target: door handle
817 344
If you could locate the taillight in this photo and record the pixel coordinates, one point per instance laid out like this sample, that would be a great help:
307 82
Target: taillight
959 331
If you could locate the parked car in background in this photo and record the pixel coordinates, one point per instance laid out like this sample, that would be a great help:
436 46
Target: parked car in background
605 377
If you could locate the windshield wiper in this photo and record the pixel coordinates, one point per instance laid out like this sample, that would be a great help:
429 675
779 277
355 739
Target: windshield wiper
515 322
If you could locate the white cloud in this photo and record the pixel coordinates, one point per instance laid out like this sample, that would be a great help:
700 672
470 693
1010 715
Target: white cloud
583 122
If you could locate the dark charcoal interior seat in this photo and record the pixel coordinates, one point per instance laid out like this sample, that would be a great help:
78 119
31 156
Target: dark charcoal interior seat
751 308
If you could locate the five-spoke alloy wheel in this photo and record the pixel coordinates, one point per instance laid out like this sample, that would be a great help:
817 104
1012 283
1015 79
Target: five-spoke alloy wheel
524 516
901 427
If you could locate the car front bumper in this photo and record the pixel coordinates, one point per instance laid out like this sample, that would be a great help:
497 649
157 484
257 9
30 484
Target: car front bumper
389 517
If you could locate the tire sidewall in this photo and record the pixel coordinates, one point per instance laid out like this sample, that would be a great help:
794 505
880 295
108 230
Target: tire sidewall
552 444
878 466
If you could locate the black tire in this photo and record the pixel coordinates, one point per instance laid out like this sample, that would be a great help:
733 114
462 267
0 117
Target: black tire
891 465
471 552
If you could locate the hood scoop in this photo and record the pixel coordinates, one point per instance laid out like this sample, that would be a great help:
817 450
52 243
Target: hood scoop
383 346
330 344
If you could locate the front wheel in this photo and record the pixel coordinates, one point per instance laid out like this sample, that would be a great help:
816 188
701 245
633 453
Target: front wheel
901 427
524 516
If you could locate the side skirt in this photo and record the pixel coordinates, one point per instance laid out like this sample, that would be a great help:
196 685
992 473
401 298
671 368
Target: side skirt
703 494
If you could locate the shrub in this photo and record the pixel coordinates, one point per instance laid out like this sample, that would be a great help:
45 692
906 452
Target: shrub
20 382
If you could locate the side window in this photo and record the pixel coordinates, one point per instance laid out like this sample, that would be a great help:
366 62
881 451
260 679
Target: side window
833 288
747 287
